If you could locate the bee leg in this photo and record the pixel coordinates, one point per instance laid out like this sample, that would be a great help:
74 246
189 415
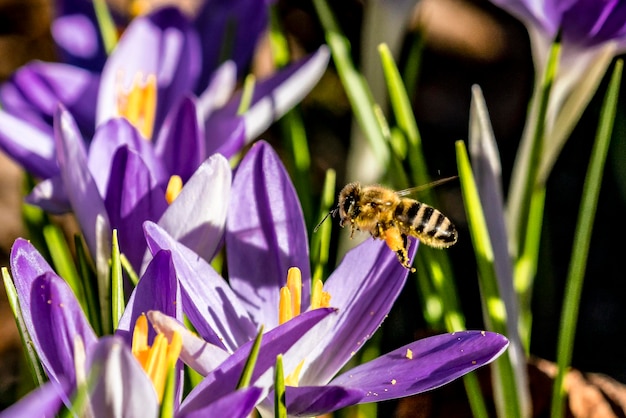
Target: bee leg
399 243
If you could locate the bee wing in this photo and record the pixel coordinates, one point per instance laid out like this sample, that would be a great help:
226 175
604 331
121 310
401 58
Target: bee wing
412 190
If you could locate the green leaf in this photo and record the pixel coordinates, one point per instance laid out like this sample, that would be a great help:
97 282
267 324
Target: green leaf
280 406
102 261
108 29
400 101
582 238
320 239
293 129
246 94
90 285
117 282
169 394
248 369
355 85
524 180
128 268
64 262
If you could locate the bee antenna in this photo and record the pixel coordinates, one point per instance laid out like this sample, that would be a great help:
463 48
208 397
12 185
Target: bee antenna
331 212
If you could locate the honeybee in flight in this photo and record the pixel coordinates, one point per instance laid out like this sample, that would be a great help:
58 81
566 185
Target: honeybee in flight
389 216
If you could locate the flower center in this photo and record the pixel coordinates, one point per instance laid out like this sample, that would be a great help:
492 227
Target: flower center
138 104
290 306
291 296
157 359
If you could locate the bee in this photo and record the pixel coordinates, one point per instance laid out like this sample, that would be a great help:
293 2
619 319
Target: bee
389 216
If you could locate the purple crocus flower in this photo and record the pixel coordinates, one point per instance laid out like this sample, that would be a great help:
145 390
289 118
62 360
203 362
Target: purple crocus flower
55 322
591 33
266 236
157 78
121 182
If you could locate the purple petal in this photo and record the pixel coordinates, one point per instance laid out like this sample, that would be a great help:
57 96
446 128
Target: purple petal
45 401
265 234
238 404
122 388
545 15
220 89
279 340
180 144
50 195
212 307
80 186
274 96
26 265
197 217
57 320
363 288
318 400
133 196
30 146
433 362
157 290
225 134
112 135
590 22
85 51
161 43
39 88
414 368
233 24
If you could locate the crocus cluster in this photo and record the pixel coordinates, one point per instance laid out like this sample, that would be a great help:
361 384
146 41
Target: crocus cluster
136 144
108 144
323 331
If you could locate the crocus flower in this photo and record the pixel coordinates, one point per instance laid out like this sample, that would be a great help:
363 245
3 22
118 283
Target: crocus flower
120 182
158 79
59 332
265 243
238 24
591 33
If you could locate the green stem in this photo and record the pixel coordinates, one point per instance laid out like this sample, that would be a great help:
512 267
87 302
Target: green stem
582 238
519 232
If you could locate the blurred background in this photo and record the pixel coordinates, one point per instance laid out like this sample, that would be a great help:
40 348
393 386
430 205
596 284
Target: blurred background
455 43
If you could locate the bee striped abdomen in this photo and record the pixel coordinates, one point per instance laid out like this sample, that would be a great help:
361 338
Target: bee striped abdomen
432 227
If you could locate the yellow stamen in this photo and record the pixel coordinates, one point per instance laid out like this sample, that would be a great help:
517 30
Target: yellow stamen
319 298
175 347
138 105
285 312
174 187
158 359
138 7
156 367
294 283
140 337
294 377
290 303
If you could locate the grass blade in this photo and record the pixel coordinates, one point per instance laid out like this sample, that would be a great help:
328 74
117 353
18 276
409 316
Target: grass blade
582 238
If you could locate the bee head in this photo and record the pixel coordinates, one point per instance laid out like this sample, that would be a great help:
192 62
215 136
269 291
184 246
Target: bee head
348 198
